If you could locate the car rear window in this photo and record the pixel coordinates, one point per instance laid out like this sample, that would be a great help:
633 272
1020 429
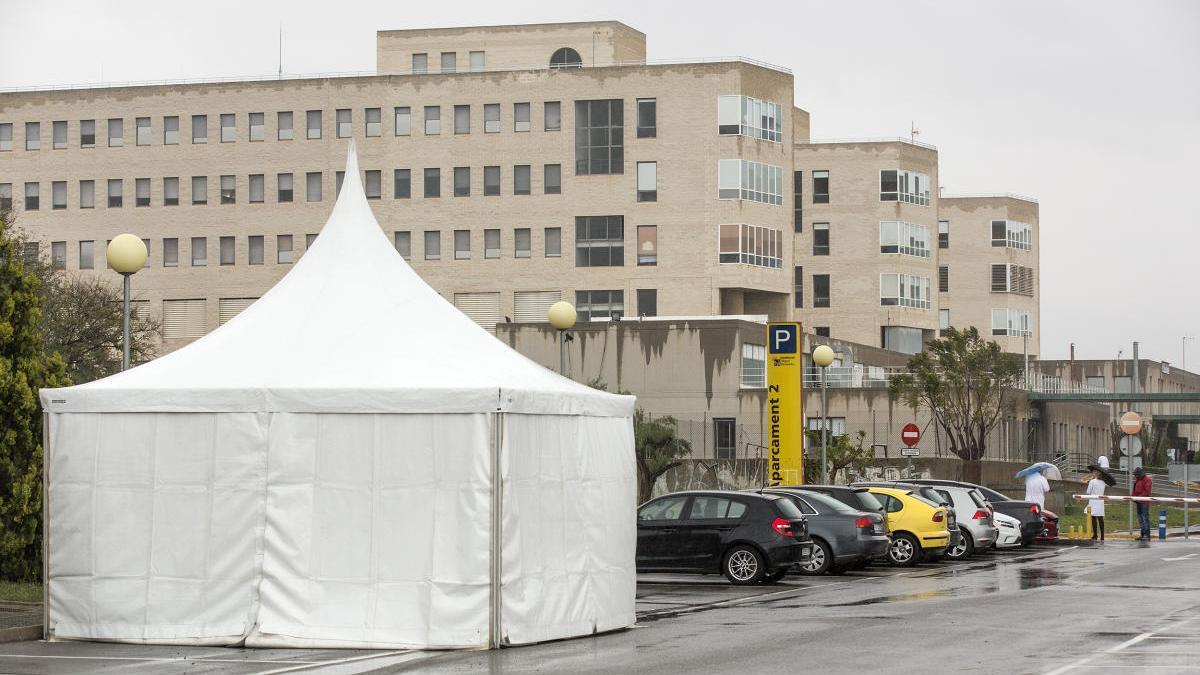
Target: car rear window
977 497
787 509
870 501
828 503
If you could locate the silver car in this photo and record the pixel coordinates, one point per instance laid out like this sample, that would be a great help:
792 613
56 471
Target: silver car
974 521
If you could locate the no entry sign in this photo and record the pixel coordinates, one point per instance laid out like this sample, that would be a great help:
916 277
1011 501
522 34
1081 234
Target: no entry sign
910 434
1131 423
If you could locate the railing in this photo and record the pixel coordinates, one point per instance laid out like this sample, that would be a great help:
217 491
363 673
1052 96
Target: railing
1053 384
850 377
983 195
880 139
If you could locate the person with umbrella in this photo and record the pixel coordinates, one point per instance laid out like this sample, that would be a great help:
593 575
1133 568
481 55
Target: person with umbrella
1095 486
1036 485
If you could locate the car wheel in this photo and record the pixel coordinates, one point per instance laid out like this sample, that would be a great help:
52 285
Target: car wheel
743 565
776 576
820 561
904 550
963 550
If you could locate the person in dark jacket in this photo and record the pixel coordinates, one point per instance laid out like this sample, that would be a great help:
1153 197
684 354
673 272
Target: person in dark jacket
1142 488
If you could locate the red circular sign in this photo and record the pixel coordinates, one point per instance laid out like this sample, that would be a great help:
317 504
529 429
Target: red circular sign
910 434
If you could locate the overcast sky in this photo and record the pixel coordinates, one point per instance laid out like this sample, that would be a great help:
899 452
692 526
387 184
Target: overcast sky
1092 107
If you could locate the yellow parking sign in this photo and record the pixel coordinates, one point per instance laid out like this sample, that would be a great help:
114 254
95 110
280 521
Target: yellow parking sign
785 405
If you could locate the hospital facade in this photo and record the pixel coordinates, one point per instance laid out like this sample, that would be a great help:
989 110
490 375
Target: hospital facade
514 166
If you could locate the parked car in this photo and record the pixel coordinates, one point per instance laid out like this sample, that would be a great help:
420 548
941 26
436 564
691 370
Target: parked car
1008 531
859 498
918 526
746 536
974 517
842 536
1027 512
931 495
1049 526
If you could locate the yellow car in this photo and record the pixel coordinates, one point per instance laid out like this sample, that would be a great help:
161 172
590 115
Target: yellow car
918 527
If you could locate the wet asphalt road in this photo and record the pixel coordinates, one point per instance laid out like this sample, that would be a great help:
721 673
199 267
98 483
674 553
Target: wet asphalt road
1052 609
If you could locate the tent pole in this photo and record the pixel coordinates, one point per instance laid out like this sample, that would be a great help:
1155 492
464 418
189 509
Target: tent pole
494 628
46 525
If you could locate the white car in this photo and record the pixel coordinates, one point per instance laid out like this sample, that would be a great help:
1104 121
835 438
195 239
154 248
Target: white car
1008 531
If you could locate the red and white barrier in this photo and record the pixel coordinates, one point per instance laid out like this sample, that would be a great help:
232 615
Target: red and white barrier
1154 500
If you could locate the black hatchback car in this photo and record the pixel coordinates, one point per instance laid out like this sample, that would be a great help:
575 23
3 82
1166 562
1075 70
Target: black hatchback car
748 537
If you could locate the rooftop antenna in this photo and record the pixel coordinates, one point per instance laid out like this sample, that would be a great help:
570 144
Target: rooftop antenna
281 50
913 132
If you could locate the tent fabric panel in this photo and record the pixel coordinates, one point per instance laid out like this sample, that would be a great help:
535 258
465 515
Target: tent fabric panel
153 524
569 526
377 531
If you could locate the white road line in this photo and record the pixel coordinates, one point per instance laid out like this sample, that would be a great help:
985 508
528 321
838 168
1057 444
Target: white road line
409 655
148 658
1113 650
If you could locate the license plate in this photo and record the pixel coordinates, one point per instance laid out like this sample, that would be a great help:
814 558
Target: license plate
878 528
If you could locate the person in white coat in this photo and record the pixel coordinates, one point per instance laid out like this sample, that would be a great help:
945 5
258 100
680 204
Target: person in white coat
1036 487
1096 486
1102 461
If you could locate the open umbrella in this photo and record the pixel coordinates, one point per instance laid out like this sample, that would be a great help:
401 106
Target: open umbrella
1051 472
1104 474
1036 468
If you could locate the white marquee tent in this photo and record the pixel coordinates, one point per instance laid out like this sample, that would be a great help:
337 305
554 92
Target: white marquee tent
350 462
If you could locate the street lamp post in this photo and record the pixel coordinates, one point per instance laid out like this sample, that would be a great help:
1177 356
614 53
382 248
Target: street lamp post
562 318
823 356
126 255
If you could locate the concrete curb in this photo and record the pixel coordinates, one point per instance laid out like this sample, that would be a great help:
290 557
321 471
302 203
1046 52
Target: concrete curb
21 633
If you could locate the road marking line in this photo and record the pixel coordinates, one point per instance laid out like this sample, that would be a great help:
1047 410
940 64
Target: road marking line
1190 555
413 655
150 658
1124 645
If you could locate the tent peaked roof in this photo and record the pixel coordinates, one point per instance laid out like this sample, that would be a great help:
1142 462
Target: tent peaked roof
351 328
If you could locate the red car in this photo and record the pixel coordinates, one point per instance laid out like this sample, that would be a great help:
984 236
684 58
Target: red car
1049 526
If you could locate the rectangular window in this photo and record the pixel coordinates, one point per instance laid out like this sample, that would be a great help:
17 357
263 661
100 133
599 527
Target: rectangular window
344 119
522 242
142 131
58 194
820 187
521 117
313 124
599 241
462 244
798 287
904 238
87 255
170 248
31 251
312 186
1095 382
6 134
374 184
835 425
491 243
744 244
491 181
433 120
283 249
904 290
755 181
599 137
433 183
647 181
255 249
1008 278
309 240
943 279
171 130
199 251
521 179
87 133
889 186
905 186
754 366
228 248
449 62
647 118
402 184
32 196
258 188
725 437
284 184
283 122
228 127
258 126
420 64
374 122
821 295
552 179
141 191
462 181
33 135
199 189
491 118
433 245
476 62
1014 322
820 232
338 176
553 237
647 245
1012 234
747 116
403 243
170 188
59 132
228 189
116 132
116 189
591 305
552 116
403 121
87 194
943 234
199 129
798 200
462 119
943 321
58 255
6 198
647 302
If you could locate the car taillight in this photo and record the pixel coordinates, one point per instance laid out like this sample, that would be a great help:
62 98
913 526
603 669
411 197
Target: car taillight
980 515
938 516
1033 508
782 526
863 522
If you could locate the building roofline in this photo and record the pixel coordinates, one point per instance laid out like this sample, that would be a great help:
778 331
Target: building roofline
525 26
870 141
997 195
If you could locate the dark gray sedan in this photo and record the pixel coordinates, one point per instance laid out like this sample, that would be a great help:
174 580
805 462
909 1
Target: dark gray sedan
842 536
